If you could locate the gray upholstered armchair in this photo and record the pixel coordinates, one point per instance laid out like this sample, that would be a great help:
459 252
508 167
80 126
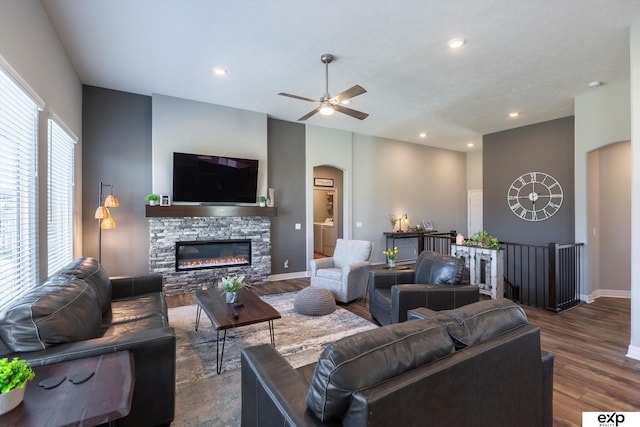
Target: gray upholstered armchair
342 273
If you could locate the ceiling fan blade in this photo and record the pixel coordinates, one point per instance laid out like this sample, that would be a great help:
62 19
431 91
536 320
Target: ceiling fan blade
309 114
349 93
351 112
299 97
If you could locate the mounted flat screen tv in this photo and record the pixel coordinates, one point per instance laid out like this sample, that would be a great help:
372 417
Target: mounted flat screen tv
214 179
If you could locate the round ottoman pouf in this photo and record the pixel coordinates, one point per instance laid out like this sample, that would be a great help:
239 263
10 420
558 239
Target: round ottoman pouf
314 301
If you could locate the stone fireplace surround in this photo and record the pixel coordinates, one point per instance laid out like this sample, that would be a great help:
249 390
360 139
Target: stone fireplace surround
167 225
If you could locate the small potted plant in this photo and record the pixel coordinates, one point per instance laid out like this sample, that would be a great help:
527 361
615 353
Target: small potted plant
484 240
14 375
152 199
231 285
391 256
263 201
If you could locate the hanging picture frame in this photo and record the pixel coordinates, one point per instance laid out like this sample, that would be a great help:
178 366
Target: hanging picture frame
323 182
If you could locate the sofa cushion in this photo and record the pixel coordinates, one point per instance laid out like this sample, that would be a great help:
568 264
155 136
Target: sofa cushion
89 270
136 308
62 309
433 268
368 358
478 322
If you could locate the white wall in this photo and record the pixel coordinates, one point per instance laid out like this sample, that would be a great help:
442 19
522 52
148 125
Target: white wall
602 117
196 127
634 345
394 177
30 46
474 170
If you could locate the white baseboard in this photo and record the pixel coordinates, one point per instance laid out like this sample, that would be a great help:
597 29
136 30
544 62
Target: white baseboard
607 293
286 276
634 352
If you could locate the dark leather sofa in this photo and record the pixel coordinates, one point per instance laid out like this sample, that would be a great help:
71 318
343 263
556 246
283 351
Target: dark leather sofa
79 312
478 365
435 283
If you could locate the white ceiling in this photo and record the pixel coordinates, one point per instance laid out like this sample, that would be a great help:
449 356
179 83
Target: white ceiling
532 56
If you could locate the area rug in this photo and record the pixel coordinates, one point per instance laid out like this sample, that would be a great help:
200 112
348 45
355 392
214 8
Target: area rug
204 398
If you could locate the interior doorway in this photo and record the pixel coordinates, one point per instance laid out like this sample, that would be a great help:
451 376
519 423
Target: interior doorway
609 220
327 210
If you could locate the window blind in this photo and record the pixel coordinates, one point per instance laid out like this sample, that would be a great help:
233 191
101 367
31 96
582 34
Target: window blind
18 189
60 192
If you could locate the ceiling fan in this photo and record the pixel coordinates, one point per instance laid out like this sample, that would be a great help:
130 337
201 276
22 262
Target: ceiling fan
328 104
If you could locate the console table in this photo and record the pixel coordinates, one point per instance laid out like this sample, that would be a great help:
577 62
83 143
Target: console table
485 268
393 235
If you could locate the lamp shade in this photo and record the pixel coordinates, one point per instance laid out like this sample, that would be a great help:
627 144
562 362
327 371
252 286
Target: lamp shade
108 223
111 201
101 213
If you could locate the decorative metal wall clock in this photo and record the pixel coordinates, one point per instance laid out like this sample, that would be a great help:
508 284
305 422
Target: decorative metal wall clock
535 196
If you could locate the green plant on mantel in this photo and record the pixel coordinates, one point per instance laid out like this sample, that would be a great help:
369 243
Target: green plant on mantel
483 239
152 198
14 374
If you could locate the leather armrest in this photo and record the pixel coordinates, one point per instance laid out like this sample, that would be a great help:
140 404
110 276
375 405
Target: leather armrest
386 280
435 297
547 388
273 392
126 287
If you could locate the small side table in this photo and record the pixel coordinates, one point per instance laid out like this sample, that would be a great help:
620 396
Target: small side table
103 398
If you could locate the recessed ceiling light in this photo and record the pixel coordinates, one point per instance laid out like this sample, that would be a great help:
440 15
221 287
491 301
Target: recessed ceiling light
456 43
595 83
423 135
219 71
470 144
514 114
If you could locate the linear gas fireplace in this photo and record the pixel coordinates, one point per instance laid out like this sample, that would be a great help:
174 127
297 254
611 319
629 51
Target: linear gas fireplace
201 255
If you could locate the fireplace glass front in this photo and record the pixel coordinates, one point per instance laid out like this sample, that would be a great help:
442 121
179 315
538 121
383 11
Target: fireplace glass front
200 255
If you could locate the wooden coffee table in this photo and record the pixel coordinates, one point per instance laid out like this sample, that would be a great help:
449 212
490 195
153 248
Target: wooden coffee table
103 398
253 310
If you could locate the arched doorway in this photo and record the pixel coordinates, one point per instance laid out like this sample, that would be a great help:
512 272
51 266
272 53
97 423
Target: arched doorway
328 218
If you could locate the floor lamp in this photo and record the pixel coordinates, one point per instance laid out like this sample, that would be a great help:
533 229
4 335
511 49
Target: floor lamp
103 215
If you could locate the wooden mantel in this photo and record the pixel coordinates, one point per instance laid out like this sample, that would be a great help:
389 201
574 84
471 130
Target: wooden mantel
183 211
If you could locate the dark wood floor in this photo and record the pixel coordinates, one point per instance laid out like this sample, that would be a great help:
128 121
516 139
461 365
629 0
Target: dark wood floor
591 372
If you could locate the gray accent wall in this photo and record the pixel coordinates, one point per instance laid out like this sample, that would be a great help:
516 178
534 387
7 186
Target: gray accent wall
286 154
117 150
543 147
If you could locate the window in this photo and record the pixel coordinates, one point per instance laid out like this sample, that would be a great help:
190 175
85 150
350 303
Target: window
60 197
18 189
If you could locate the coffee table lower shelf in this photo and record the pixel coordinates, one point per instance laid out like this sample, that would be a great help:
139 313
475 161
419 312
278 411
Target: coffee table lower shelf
253 310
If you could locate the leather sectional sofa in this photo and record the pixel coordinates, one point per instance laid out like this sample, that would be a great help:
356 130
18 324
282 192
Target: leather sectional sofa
480 364
79 312
436 282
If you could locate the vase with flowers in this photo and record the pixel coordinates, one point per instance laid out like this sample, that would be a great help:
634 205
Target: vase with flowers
391 256
393 220
230 286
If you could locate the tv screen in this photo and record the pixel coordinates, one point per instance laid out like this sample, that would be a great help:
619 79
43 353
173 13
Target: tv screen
203 178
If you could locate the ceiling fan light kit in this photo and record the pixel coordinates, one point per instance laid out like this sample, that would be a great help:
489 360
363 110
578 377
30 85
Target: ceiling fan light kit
328 104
